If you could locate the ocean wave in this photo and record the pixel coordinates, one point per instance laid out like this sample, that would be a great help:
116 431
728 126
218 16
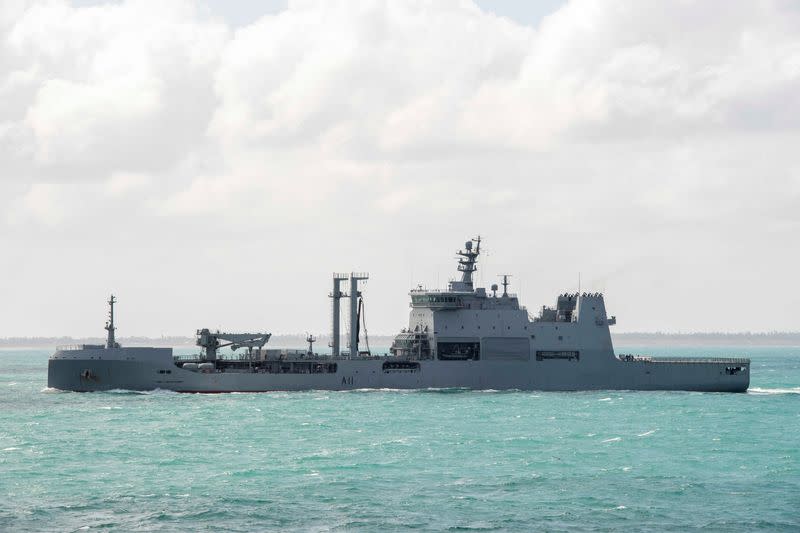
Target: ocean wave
370 390
159 392
758 390
131 392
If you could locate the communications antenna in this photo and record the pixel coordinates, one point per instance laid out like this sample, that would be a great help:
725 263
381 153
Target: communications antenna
311 339
506 283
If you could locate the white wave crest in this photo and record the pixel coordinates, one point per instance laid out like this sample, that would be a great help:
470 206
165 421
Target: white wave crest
757 390
162 391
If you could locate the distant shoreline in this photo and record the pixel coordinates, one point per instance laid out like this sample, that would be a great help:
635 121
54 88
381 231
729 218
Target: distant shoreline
706 339
298 341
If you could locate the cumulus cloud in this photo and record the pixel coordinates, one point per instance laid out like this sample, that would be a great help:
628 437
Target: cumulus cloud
657 136
109 88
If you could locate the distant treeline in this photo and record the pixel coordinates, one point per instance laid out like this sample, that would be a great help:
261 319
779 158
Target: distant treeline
281 340
65 341
772 338
297 340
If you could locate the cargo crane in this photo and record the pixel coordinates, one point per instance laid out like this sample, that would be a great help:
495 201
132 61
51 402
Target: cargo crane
213 341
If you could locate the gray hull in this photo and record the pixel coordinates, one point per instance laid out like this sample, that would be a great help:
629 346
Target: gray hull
149 369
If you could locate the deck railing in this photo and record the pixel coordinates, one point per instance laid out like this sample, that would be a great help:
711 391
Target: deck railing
728 360
72 347
681 360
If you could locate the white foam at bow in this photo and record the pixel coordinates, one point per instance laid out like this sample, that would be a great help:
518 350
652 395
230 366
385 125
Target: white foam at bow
756 390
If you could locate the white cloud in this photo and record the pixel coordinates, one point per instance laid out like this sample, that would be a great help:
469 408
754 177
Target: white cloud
106 89
123 183
657 136
47 205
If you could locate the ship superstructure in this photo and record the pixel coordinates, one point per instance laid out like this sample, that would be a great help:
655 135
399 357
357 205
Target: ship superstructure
461 337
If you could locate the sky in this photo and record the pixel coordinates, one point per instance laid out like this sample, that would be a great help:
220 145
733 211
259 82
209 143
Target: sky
212 163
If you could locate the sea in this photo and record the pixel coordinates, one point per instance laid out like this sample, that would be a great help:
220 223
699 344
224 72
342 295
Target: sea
385 460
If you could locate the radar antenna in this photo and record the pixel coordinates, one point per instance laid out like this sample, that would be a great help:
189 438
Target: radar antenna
467 264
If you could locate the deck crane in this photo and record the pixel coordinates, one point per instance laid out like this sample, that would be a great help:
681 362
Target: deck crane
213 341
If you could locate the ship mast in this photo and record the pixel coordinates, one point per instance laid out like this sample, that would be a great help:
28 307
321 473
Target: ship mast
310 339
355 294
467 264
506 283
111 341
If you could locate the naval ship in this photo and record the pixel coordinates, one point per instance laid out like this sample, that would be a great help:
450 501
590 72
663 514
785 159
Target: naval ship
462 337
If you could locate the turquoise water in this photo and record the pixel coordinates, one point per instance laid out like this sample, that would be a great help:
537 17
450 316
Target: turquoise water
386 460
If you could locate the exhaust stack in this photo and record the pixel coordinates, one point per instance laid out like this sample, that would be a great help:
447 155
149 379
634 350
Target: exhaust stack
336 296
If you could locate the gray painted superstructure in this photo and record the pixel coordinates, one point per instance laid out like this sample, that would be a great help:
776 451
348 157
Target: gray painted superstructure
461 337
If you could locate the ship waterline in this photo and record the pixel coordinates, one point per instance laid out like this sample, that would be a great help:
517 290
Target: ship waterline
463 337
